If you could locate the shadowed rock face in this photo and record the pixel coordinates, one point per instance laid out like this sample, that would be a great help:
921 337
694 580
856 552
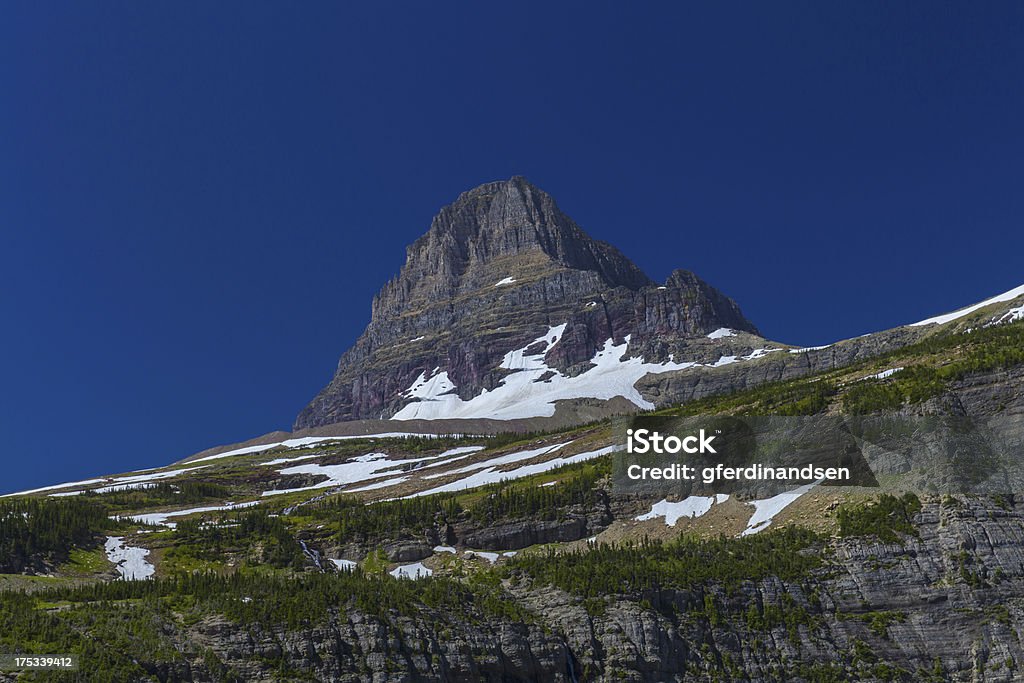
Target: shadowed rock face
497 268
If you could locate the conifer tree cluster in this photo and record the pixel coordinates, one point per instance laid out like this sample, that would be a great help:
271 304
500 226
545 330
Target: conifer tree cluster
644 568
39 531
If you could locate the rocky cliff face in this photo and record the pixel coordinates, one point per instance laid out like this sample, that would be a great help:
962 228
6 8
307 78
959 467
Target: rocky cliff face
941 605
496 270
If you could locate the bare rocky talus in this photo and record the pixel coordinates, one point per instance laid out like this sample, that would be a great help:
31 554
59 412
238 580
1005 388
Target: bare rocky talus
497 268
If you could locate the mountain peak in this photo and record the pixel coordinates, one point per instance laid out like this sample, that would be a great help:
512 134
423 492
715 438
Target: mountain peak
498 268
502 220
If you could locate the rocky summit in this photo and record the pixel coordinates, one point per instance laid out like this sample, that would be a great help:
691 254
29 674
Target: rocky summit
505 282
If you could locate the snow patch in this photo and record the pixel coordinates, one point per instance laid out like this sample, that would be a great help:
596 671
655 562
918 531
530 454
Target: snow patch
345 565
765 510
426 388
461 450
504 281
691 507
506 459
282 461
444 549
146 478
491 475
131 562
352 471
417 570
882 375
810 348
753 355
112 489
306 441
490 557
721 333
84 482
138 481
160 518
379 485
1011 315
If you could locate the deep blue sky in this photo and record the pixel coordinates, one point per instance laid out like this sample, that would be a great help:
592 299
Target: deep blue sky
200 199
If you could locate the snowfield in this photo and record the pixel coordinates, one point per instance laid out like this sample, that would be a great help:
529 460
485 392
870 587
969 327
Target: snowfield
522 393
131 562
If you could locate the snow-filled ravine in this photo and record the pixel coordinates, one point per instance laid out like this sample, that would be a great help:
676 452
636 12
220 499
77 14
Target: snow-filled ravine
523 394
131 562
